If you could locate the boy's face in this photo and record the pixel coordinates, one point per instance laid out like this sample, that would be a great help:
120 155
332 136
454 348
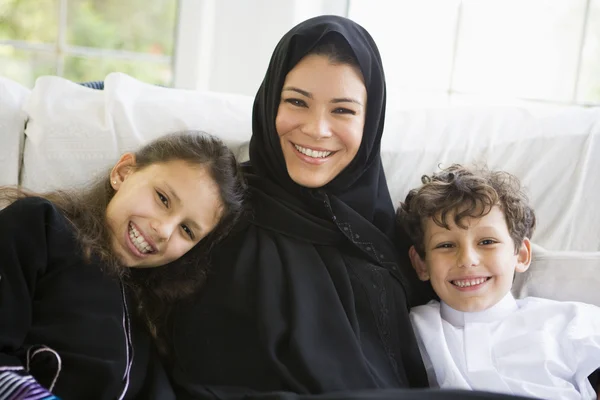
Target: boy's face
471 269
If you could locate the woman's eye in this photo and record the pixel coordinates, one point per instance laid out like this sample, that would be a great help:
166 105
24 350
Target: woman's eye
163 199
296 102
188 231
342 110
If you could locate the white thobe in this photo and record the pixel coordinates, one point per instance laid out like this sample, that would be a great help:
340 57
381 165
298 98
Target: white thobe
532 347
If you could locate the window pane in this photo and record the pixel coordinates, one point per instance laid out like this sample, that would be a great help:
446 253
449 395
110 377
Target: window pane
145 26
79 69
589 80
415 39
30 20
523 48
25 66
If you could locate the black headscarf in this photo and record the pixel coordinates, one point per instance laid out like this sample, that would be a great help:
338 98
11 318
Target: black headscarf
360 190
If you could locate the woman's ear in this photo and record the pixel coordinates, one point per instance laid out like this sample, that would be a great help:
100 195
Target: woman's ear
122 169
418 264
524 256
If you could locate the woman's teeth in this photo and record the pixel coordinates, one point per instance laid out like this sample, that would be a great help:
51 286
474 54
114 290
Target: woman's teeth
138 240
469 282
312 153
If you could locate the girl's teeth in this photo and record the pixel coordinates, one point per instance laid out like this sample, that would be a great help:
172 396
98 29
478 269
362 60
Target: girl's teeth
312 153
138 240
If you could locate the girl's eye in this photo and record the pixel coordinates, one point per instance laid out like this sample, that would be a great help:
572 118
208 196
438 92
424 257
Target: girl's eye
487 242
188 231
162 198
296 102
342 110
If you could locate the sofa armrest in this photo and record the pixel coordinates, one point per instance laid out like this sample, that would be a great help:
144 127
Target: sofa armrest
561 275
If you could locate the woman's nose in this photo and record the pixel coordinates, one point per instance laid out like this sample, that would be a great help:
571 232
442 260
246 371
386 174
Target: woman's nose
318 126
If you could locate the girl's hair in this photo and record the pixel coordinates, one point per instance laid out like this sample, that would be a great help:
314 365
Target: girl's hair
466 192
155 288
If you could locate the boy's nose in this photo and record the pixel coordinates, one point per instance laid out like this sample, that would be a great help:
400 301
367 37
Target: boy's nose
467 257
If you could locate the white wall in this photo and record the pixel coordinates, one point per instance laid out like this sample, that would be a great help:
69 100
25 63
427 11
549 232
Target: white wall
225 45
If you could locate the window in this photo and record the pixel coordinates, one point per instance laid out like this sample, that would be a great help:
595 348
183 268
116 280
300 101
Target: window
84 40
487 51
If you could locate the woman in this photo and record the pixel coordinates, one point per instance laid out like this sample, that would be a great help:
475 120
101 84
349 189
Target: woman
309 296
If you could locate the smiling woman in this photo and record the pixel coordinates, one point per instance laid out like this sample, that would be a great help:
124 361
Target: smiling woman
320 118
64 258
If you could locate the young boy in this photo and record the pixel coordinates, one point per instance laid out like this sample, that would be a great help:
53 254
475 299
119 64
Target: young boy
471 230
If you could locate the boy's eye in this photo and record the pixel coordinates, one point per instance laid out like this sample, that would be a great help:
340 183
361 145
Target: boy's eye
162 198
296 102
487 242
444 246
187 230
342 110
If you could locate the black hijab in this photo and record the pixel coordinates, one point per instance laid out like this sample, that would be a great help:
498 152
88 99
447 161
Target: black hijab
360 190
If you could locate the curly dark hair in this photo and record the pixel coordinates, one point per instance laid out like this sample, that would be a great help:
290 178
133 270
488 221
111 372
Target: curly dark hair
466 192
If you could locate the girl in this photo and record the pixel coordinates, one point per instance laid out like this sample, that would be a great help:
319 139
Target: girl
67 261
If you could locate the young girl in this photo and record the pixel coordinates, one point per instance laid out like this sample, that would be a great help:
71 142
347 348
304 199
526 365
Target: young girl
67 260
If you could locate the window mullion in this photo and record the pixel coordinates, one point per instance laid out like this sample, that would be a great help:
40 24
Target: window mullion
61 40
580 55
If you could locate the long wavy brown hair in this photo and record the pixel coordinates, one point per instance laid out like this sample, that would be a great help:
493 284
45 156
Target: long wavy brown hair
156 289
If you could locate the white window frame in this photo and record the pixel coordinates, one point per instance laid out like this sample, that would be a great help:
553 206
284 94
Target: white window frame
61 49
450 91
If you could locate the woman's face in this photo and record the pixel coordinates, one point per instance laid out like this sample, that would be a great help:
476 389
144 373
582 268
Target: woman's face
320 119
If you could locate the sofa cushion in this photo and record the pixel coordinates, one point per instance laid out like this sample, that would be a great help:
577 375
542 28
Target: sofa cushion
76 133
556 156
561 275
12 125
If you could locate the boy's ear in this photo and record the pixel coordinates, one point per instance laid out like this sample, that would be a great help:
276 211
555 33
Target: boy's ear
524 256
418 264
122 169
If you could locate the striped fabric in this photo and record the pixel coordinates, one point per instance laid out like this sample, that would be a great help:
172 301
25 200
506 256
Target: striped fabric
98 85
17 385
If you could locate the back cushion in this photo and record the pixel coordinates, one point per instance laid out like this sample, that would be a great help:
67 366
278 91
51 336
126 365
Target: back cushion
76 133
556 156
12 125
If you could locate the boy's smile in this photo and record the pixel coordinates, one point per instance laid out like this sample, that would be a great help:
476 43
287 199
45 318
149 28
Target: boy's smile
471 269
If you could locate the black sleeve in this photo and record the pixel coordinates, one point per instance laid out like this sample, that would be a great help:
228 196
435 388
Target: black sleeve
23 259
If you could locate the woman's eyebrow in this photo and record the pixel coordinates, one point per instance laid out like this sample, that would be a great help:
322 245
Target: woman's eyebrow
310 96
346 100
297 90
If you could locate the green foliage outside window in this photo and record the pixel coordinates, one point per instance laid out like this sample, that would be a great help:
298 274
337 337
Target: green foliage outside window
133 26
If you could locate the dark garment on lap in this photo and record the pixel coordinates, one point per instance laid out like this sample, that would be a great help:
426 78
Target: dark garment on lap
50 297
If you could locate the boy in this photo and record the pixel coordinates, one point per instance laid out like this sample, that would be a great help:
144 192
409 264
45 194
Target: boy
471 230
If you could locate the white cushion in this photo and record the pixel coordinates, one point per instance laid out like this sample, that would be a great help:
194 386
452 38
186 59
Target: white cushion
557 158
12 126
561 275
75 132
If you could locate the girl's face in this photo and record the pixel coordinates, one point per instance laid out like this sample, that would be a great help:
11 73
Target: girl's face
160 212
320 119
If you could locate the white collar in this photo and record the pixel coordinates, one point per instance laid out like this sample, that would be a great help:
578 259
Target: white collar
498 311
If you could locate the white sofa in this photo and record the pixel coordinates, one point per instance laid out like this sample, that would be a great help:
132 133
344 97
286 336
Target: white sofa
60 134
